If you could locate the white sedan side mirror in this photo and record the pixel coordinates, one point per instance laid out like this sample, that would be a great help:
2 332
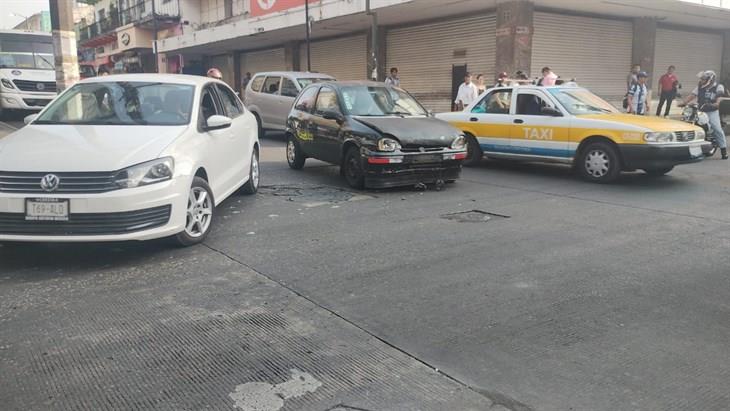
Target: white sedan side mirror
30 118
217 122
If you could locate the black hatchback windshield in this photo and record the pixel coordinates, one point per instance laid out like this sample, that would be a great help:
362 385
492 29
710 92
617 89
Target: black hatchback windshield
122 103
380 101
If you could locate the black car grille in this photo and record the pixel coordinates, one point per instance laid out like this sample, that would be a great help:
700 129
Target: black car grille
87 224
421 149
684 135
36 102
69 183
27 85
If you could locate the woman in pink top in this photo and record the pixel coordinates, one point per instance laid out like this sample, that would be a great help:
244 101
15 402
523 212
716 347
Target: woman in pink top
548 77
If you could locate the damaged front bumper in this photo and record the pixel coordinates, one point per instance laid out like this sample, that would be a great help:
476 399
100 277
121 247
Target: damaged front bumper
401 168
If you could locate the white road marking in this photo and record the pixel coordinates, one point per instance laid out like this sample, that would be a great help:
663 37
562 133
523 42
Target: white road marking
262 396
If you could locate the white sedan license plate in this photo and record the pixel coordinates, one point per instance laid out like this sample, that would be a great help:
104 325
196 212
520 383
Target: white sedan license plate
46 209
695 151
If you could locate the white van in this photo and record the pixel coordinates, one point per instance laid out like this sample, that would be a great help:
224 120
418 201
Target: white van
270 96
27 75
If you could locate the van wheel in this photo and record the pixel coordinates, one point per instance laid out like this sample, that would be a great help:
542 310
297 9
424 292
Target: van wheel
599 162
200 213
658 172
474 153
352 168
294 155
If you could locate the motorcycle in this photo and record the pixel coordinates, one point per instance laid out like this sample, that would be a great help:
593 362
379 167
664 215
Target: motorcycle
692 114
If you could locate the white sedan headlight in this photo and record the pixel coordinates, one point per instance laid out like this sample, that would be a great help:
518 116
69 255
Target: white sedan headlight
143 174
459 143
388 144
659 137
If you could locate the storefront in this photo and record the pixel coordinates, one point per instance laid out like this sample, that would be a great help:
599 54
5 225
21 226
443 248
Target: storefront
262 60
690 52
344 58
594 51
432 57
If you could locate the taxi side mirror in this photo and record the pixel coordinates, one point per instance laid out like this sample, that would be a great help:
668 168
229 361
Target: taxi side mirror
333 115
550 111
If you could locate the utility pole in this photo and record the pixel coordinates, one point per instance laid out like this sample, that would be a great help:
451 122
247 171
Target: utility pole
64 43
154 38
373 40
306 16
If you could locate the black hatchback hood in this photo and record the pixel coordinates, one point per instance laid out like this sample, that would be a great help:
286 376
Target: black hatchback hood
413 131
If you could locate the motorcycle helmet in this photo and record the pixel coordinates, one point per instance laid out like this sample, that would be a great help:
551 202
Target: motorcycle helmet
707 76
702 119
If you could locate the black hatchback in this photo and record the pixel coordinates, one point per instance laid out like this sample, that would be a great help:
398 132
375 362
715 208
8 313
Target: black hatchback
380 136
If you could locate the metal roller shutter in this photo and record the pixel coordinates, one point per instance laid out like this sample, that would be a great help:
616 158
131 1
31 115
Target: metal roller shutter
425 55
596 52
264 60
689 52
344 58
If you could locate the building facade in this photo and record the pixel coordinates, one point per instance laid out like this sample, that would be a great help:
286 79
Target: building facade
434 42
121 34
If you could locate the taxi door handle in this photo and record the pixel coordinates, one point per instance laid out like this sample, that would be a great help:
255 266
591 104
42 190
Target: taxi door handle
519 121
473 119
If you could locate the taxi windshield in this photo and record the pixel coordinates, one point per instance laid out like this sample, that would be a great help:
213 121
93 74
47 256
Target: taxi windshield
581 101
380 101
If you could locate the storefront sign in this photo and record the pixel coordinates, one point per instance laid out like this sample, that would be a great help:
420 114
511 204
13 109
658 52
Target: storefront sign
263 7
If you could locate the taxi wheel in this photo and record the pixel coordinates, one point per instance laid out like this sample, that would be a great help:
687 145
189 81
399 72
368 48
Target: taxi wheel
599 162
474 153
294 155
352 168
658 172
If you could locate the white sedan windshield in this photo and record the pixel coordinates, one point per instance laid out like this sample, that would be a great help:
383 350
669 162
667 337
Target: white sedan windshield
122 103
580 101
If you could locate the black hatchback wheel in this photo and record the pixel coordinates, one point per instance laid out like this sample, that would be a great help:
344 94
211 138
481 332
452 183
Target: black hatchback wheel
352 168
294 155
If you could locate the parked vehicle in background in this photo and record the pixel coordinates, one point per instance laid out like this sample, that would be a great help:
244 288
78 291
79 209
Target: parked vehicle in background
571 125
127 157
86 71
270 95
380 136
27 76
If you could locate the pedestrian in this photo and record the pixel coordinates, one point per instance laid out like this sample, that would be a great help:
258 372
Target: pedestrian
633 76
481 87
707 94
668 84
468 92
102 71
502 80
638 101
521 79
246 80
548 77
214 73
393 80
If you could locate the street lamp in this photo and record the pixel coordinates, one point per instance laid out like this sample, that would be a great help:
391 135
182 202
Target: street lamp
27 26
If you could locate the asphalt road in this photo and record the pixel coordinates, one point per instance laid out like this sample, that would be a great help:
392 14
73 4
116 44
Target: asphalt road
552 294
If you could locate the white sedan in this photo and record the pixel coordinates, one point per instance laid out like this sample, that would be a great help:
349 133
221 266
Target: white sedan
127 157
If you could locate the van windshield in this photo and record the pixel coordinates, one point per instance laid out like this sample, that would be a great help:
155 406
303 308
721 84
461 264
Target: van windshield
24 55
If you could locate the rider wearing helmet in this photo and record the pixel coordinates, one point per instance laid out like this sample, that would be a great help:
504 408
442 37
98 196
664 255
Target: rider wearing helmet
707 94
215 73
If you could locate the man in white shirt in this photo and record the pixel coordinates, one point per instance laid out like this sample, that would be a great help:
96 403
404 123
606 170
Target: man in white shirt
468 92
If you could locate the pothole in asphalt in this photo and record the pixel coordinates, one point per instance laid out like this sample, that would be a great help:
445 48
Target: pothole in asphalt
473 216
313 196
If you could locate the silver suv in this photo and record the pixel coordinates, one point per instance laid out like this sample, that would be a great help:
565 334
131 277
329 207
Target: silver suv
271 95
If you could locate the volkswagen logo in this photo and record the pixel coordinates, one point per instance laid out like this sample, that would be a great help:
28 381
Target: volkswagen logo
50 182
40 86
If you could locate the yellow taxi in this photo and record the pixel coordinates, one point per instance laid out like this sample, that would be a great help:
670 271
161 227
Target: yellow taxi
571 125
